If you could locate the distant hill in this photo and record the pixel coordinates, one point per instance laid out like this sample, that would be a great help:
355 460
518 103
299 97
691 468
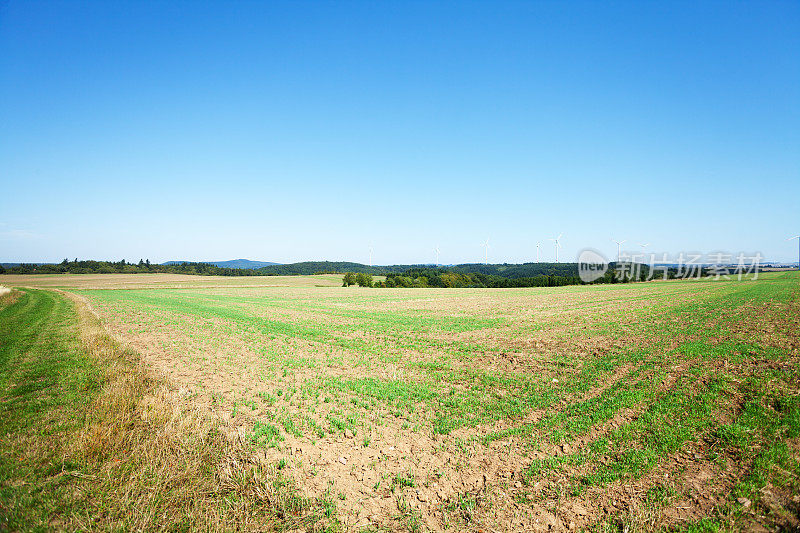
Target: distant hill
514 271
315 267
233 263
243 263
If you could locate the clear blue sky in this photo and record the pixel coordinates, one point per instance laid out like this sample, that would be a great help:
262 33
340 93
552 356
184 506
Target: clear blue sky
306 130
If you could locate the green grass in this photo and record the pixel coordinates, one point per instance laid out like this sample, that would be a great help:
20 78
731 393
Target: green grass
47 382
265 434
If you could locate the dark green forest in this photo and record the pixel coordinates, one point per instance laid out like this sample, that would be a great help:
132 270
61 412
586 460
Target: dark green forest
461 277
144 266
556 275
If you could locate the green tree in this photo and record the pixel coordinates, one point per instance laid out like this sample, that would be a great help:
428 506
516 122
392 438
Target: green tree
349 279
364 280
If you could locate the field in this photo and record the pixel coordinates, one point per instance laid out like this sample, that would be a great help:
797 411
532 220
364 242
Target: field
165 281
616 407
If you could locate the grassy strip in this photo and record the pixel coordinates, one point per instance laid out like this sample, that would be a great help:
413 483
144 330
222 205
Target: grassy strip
45 394
90 440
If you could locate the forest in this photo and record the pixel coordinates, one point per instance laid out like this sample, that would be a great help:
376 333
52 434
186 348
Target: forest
460 276
144 266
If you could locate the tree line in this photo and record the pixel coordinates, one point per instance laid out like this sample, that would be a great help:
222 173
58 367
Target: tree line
305 268
445 278
566 274
144 266
430 277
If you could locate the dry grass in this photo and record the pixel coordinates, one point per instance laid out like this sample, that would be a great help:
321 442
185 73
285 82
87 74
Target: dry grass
7 296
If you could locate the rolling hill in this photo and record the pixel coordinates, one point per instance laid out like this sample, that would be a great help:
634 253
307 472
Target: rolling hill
233 263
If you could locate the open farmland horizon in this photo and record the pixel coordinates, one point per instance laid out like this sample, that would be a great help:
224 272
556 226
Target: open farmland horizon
418 267
641 406
311 267
649 266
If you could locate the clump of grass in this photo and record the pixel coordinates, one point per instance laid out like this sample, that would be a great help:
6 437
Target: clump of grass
264 434
290 427
403 480
464 505
409 517
328 503
267 398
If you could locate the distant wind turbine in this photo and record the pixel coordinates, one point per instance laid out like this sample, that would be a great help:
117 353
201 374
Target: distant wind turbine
370 255
537 251
619 247
437 254
643 246
557 242
798 248
486 250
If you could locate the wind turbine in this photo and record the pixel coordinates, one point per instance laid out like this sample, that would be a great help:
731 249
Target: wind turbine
798 248
486 250
370 255
619 247
537 251
644 246
557 242
437 254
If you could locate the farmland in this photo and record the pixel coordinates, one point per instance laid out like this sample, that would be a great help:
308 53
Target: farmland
167 281
649 405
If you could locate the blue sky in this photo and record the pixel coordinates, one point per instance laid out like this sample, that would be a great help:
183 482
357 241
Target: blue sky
307 130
